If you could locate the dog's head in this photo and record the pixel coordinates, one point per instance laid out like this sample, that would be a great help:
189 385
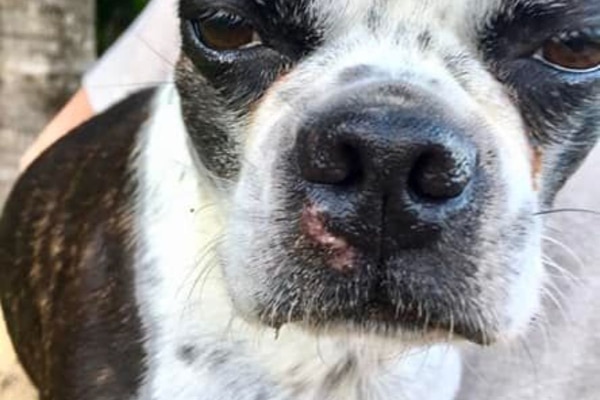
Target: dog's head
385 159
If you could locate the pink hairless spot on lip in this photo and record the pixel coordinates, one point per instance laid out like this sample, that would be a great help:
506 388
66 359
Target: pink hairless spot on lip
341 253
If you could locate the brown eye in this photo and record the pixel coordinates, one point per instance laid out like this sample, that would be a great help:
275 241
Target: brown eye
224 31
576 52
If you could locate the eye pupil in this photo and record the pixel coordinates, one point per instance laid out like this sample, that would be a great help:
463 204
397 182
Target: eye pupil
222 31
578 54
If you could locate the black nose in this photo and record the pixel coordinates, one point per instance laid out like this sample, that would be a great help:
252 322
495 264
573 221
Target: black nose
416 166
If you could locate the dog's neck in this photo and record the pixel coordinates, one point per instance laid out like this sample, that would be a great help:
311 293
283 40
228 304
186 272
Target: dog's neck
198 347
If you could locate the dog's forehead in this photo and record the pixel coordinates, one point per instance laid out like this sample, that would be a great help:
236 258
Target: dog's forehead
441 14
416 8
390 10
338 16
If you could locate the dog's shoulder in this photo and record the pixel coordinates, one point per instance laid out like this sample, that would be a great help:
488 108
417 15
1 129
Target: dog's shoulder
65 250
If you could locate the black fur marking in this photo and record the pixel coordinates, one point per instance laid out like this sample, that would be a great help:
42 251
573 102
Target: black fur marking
215 85
289 33
561 109
286 25
66 261
188 354
205 115
374 15
218 358
425 40
338 374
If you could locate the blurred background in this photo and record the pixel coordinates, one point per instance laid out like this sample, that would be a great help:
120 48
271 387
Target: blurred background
45 46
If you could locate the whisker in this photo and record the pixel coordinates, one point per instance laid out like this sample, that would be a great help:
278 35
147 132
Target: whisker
561 272
541 323
557 303
476 372
534 366
227 333
567 210
207 262
566 249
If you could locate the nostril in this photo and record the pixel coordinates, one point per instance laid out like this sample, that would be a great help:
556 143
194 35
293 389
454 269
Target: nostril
324 158
441 174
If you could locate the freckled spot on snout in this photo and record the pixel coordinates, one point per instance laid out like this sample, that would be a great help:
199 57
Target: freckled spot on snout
187 353
342 255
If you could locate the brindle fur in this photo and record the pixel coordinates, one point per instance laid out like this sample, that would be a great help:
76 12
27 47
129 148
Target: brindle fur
65 230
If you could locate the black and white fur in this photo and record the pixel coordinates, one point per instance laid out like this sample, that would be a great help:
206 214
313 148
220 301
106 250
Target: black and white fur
152 254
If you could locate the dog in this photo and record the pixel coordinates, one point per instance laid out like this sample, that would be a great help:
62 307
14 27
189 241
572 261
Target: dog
334 196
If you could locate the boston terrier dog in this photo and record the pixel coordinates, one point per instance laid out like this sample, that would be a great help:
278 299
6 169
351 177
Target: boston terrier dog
331 199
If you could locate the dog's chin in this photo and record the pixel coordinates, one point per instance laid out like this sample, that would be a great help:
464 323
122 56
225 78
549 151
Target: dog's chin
384 322
365 303
407 305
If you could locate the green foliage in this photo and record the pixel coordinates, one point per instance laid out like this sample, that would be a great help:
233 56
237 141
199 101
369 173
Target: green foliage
113 17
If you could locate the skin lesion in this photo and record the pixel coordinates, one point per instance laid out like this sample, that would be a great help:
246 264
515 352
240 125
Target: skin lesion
341 254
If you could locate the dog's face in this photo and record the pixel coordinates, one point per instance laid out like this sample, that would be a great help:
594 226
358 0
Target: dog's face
385 159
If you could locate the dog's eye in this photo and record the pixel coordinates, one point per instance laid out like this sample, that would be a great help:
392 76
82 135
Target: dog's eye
572 51
221 31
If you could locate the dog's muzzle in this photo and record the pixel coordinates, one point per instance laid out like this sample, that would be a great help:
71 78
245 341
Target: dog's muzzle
386 168
383 193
